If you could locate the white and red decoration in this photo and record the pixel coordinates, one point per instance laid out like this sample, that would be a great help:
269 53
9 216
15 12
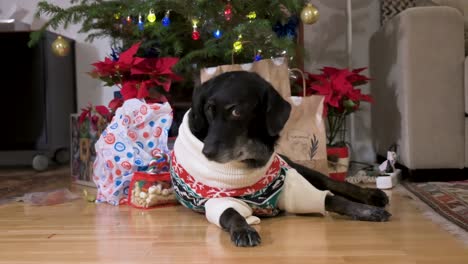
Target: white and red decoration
338 162
137 133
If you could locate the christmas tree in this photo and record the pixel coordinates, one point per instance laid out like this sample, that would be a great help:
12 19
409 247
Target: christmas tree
201 33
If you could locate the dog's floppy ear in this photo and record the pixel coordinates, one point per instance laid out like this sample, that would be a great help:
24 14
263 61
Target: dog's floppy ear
197 119
277 111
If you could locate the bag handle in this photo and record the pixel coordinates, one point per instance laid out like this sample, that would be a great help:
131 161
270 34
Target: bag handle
303 79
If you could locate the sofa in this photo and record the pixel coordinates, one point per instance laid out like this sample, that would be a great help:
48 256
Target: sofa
420 88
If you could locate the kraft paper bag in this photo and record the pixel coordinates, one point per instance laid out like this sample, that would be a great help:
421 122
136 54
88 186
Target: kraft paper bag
303 138
275 71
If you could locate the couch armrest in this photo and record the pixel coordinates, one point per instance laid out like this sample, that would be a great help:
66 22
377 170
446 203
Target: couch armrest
417 63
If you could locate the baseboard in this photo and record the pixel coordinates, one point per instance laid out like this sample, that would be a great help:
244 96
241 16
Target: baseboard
425 175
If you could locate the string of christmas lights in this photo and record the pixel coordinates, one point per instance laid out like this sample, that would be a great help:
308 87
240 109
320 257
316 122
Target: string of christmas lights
309 15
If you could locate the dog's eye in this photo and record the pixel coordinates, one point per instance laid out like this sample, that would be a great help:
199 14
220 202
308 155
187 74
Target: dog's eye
235 113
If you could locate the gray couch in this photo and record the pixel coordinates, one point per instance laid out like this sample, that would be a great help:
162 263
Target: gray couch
420 80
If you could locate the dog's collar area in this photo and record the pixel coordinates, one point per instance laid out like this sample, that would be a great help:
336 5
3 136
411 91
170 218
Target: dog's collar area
253 163
235 174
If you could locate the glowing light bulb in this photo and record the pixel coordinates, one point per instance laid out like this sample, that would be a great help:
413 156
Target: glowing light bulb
228 11
217 34
151 16
237 46
141 27
166 21
252 15
258 56
195 34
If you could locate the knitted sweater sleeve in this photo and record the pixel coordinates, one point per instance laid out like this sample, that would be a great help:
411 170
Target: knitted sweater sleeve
300 197
215 207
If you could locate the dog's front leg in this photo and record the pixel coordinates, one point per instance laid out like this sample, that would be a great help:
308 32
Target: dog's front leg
242 234
357 211
234 216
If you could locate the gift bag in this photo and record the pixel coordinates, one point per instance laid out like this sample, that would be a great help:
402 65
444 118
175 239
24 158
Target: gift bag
137 133
303 139
275 71
152 188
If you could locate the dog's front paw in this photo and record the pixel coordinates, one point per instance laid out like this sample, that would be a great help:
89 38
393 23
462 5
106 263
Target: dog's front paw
245 236
373 214
375 197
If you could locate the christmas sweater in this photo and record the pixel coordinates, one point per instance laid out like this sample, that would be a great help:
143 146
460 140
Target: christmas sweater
209 187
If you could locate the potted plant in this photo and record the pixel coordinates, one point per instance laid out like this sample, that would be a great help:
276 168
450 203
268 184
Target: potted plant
342 98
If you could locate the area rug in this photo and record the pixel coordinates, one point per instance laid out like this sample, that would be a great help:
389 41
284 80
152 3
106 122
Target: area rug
18 181
449 199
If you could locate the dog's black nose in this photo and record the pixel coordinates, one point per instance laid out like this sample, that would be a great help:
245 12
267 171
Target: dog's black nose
209 151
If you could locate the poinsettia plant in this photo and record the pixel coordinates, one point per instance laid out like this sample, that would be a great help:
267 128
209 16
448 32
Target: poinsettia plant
97 116
342 98
136 76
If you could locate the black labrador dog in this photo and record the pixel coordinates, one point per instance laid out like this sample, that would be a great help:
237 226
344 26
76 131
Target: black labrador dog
238 116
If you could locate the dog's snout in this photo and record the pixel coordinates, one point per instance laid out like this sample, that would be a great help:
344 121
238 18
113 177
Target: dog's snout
209 151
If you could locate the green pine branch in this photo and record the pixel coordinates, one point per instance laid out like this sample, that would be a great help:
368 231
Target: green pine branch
99 19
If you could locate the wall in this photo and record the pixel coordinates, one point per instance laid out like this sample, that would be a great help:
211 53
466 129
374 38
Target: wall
89 90
325 45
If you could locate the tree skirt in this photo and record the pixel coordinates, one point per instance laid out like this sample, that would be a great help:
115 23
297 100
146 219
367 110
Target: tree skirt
449 199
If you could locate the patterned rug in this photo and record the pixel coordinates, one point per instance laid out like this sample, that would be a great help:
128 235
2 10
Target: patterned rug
449 199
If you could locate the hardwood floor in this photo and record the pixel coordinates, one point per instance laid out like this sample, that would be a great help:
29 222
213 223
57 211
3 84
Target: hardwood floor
81 232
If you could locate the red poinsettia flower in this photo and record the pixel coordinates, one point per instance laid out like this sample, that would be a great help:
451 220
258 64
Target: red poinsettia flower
104 68
102 110
338 88
85 113
126 58
341 97
115 103
134 76
158 69
130 89
92 113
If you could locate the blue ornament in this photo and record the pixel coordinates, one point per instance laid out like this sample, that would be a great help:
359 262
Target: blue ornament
258 57
141 26
217 34
166 21
289 29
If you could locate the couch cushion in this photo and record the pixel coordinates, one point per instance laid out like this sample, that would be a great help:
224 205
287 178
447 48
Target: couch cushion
460 5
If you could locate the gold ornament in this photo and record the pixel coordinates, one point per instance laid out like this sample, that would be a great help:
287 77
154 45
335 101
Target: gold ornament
309 14
60 47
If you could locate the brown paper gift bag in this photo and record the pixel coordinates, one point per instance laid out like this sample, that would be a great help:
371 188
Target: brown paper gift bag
303 137
275 71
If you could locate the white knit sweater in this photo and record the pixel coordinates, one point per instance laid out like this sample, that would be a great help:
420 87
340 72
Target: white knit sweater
297 196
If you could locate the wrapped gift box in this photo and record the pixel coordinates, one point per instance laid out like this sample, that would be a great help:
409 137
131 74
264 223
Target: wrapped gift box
83 138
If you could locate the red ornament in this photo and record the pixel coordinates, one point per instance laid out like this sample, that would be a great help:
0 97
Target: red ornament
228 11
195 35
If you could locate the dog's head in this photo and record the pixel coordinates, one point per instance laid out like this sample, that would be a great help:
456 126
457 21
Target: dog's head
238 115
